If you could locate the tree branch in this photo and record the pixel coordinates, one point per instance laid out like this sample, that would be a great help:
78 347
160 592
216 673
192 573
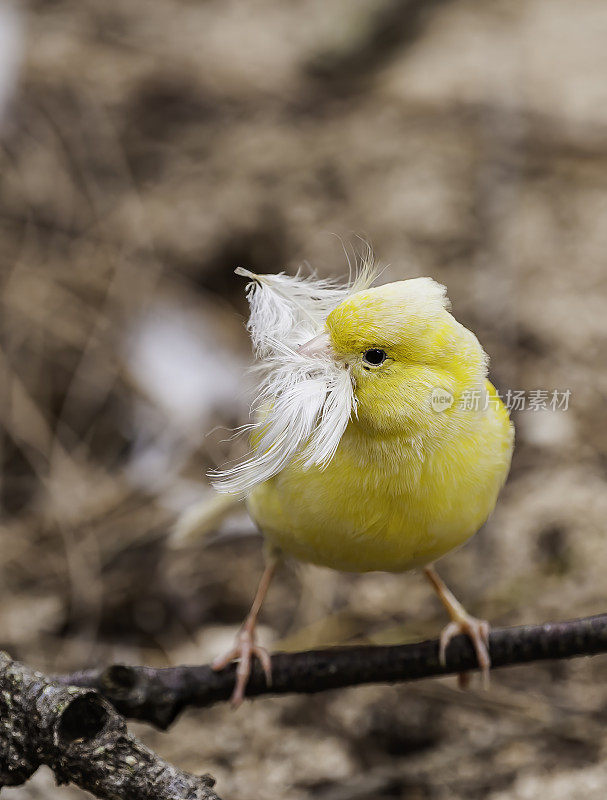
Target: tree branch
83 740
158 695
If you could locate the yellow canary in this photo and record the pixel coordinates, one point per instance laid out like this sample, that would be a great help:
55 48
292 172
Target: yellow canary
378 442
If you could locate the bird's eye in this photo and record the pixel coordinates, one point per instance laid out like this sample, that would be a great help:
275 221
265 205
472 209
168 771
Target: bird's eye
374 356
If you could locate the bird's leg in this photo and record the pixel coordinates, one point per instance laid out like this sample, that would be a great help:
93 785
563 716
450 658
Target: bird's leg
245 647
461 622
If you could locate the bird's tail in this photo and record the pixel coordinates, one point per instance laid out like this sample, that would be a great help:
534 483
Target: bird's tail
202 518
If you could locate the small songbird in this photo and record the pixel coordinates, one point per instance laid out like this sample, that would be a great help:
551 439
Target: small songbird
377 442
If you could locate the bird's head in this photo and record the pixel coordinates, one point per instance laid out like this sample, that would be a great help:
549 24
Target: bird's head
337 355
400 344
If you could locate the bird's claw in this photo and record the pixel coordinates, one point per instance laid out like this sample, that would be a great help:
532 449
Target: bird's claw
478 632
244 651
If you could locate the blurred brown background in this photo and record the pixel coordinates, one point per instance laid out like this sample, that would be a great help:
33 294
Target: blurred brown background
147 149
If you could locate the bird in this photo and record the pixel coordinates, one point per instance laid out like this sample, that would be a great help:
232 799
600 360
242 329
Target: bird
377 442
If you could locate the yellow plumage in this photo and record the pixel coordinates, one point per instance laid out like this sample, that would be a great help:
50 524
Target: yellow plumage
380 505
408 480
407 483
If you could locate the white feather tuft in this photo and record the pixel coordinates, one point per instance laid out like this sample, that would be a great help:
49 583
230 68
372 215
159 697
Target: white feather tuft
305 402
287 308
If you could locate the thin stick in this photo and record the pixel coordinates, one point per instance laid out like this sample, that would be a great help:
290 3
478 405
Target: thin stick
158 695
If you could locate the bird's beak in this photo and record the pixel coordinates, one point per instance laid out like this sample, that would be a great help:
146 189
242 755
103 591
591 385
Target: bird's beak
318 346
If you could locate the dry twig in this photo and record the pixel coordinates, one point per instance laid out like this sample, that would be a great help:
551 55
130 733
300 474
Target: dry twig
83 740
158 695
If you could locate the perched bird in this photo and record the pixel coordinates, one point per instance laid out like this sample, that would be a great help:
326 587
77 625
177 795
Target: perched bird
377 442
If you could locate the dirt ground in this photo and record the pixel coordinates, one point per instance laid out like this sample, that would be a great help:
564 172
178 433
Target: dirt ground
150 148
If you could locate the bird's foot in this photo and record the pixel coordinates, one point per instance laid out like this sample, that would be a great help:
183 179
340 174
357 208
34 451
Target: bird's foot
245 649
478 632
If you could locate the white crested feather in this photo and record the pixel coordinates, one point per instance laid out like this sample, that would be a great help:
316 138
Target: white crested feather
292 309
304 402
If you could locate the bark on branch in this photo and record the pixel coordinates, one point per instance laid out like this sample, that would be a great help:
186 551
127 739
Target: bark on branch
83 740
158 695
